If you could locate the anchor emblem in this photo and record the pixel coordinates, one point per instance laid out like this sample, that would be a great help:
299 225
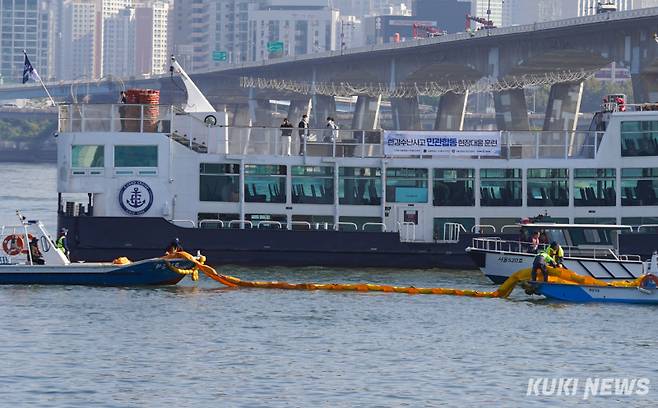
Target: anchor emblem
135 200
136 197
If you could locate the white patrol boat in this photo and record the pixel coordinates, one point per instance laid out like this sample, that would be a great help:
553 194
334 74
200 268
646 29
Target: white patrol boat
589 250
31 257
348 198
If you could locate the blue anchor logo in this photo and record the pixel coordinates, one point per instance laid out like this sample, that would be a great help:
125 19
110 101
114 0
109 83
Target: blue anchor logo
136 197
135 200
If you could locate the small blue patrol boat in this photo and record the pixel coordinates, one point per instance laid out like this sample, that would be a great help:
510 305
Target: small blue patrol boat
645 292
29 256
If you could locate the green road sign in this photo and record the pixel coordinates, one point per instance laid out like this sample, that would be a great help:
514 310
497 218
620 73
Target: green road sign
275 46
219 55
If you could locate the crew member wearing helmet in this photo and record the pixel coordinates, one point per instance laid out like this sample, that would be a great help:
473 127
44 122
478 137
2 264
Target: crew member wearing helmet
62 243
540 262
174 247
557 253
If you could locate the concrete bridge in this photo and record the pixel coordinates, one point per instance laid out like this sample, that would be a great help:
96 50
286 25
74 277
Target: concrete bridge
502 61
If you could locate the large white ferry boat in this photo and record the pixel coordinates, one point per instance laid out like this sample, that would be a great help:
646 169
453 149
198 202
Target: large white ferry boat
150 173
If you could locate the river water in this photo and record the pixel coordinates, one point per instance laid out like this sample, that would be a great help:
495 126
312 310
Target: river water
198 344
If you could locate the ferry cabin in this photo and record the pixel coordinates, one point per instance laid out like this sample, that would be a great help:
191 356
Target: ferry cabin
196 172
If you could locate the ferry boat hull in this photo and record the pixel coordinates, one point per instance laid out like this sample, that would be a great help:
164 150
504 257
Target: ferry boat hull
150 272
586 294
101 238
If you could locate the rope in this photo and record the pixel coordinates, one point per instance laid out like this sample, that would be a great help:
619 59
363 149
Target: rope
556 275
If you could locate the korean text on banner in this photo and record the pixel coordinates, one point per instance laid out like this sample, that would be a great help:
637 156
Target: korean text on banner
406 143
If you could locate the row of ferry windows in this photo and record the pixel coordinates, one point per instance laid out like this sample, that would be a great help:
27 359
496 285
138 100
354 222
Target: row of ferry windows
93 156
451 187
639 138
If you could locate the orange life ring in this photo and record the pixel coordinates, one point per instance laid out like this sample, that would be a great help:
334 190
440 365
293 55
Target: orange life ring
14 244
645 279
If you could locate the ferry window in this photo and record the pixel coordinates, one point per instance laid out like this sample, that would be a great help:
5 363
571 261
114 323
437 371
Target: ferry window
405 185
360 186
548 187
86 156
135 156
454 187
639 187
312 185
500 188
360 222
264 183
219 182
589 236
594 187
639 138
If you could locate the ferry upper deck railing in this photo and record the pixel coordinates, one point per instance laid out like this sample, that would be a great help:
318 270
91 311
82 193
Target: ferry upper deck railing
324 142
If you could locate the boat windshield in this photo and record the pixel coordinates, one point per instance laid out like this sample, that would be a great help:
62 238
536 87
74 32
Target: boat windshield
593 236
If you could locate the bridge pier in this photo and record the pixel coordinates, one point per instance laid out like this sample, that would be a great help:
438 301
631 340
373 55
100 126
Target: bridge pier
322 106
406 113
511 110
366 112
563 106
451 112
645 88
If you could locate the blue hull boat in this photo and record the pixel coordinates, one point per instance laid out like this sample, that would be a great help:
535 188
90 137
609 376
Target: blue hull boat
149 272
587 293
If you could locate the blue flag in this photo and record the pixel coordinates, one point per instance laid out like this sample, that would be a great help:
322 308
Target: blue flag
28 70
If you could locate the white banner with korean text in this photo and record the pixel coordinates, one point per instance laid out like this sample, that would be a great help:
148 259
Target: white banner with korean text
441 143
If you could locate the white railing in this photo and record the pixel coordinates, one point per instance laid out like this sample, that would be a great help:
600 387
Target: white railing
647 226
381 225
409 232
495 244
302 223
452 230
346 224
234 140
240 223
176 222
211 222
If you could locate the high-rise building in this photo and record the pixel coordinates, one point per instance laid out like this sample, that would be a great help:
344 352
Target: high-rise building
119 41
27 25
302 30
450 15
489 9
151 43
78 44
350 33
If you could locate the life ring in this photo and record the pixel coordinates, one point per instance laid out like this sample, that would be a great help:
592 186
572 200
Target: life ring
45 243
13 244
644 282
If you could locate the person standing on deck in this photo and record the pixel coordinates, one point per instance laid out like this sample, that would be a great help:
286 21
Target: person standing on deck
303 133
286 137
62 243
557 253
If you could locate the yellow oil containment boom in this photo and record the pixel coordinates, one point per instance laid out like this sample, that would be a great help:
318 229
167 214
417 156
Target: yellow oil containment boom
555 275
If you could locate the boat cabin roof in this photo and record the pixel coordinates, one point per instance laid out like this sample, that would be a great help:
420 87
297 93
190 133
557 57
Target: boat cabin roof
548 225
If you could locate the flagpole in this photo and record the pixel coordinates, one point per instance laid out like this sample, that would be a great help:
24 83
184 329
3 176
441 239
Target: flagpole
42 84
